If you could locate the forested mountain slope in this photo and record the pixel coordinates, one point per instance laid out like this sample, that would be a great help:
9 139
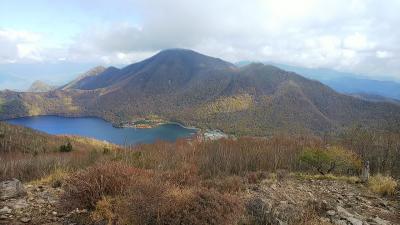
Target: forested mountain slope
185 86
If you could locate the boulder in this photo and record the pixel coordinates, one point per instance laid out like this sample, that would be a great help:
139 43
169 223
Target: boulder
331 212
5 210
11 189
25 219
354 221
380 221
343 212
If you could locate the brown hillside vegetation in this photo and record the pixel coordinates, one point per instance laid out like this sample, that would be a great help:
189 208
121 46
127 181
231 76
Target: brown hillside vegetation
27 154
243 181
182 85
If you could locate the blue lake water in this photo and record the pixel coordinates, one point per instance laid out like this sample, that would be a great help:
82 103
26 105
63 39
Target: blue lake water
103 130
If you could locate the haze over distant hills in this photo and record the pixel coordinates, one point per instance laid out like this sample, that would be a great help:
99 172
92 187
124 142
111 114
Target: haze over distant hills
12 82
195 89
19 76
345 82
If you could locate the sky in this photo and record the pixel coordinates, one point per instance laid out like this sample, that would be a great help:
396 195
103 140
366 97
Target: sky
59 38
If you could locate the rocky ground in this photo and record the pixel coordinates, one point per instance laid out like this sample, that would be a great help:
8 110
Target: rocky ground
270 202
336 202
32 204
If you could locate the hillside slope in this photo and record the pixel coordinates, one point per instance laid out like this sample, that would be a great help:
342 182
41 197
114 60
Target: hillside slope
17 139
348 83
185 86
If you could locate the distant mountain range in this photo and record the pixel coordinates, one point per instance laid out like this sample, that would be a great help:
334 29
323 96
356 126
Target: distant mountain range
347 83
376 98
186 86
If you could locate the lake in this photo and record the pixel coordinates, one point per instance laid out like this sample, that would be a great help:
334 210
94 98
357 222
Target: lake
103 130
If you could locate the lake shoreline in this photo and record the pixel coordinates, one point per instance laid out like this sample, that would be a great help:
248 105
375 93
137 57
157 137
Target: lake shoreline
103 130
114 124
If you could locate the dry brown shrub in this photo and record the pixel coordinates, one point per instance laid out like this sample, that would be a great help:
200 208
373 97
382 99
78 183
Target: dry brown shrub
157 204
244 155
186 176
224 157
27 167
256 177
84 188
231 184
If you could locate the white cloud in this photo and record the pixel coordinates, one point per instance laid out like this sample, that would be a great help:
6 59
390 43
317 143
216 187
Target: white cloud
357 42
383 54
352 35
19 46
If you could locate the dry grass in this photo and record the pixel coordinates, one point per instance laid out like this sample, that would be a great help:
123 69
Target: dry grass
105 211
383 185
56 178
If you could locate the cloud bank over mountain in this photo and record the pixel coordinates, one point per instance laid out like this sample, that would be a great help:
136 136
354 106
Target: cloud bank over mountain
349 35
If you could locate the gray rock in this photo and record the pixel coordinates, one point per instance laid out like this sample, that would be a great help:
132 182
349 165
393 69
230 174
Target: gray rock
280 222
25 219
5 210
339 222
343 212
259 209
20 204
3 217
380 221
324 219
330 212
354 221
11 189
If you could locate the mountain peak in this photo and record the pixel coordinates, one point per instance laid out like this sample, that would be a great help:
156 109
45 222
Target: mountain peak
181 50
87 75
40 86
94 71
187 57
